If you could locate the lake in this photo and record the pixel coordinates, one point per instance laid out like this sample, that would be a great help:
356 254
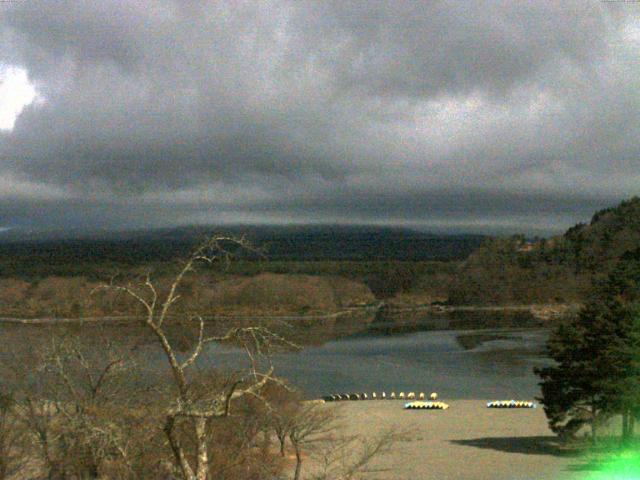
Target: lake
463 355
455 362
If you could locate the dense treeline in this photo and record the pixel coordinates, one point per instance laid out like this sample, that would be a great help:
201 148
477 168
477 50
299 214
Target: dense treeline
559 269
74 297
53 278
309 250
597 357
412 267
267 287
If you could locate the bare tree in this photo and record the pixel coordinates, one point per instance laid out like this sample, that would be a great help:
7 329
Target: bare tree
10 438
87 415
351 457
282 410
238 448
315 432
311 424
76 410
199 408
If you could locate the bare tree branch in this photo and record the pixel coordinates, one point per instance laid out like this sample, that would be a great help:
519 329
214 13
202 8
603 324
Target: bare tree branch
256 341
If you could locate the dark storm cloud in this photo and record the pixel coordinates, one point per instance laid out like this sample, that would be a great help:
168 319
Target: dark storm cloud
431 48
164 112
474 212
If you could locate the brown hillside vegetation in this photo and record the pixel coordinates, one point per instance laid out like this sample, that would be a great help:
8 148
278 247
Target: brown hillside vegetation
53 296
503 271
260 294
291 293
500 273
559 269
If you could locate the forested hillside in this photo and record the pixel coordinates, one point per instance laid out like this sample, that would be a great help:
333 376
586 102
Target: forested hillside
559 269
405 266
321 249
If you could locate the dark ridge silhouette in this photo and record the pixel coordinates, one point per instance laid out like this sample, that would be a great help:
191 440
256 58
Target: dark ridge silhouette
81 254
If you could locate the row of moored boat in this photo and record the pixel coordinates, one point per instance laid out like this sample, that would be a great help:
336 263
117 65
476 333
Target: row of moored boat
511 404
376 396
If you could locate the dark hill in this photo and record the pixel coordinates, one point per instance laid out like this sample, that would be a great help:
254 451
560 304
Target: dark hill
93 254
559 269
611 233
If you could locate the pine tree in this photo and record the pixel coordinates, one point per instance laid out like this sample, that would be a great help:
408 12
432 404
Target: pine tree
597 357
623 306
571 392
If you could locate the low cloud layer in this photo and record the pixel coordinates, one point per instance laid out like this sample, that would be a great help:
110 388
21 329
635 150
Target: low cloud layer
520 115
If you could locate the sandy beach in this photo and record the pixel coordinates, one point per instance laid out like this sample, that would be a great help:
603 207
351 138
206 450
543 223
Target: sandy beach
467 441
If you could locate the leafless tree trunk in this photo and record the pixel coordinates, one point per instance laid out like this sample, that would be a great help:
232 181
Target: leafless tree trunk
10 436
348 458
199 411
282 439
201 437
310 424
296 475
82 425
594 423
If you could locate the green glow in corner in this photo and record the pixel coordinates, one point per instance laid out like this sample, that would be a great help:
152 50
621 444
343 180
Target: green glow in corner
621 466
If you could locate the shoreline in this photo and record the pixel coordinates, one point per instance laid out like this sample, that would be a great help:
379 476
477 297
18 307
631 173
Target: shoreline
538 311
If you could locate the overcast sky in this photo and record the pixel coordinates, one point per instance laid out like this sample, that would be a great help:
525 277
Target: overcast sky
470 116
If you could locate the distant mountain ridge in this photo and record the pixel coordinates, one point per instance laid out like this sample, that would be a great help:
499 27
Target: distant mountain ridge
75 256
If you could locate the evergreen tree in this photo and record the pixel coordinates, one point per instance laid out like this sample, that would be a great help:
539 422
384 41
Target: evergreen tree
622 296
571 392
597 357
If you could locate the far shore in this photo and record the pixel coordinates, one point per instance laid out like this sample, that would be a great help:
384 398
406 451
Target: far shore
542 312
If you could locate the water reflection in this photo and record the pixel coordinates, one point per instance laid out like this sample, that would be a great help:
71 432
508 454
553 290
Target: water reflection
390 321
458 354
423 361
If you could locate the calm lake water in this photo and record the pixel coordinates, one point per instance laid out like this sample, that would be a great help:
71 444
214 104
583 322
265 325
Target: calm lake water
461 355
479 363
423 361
